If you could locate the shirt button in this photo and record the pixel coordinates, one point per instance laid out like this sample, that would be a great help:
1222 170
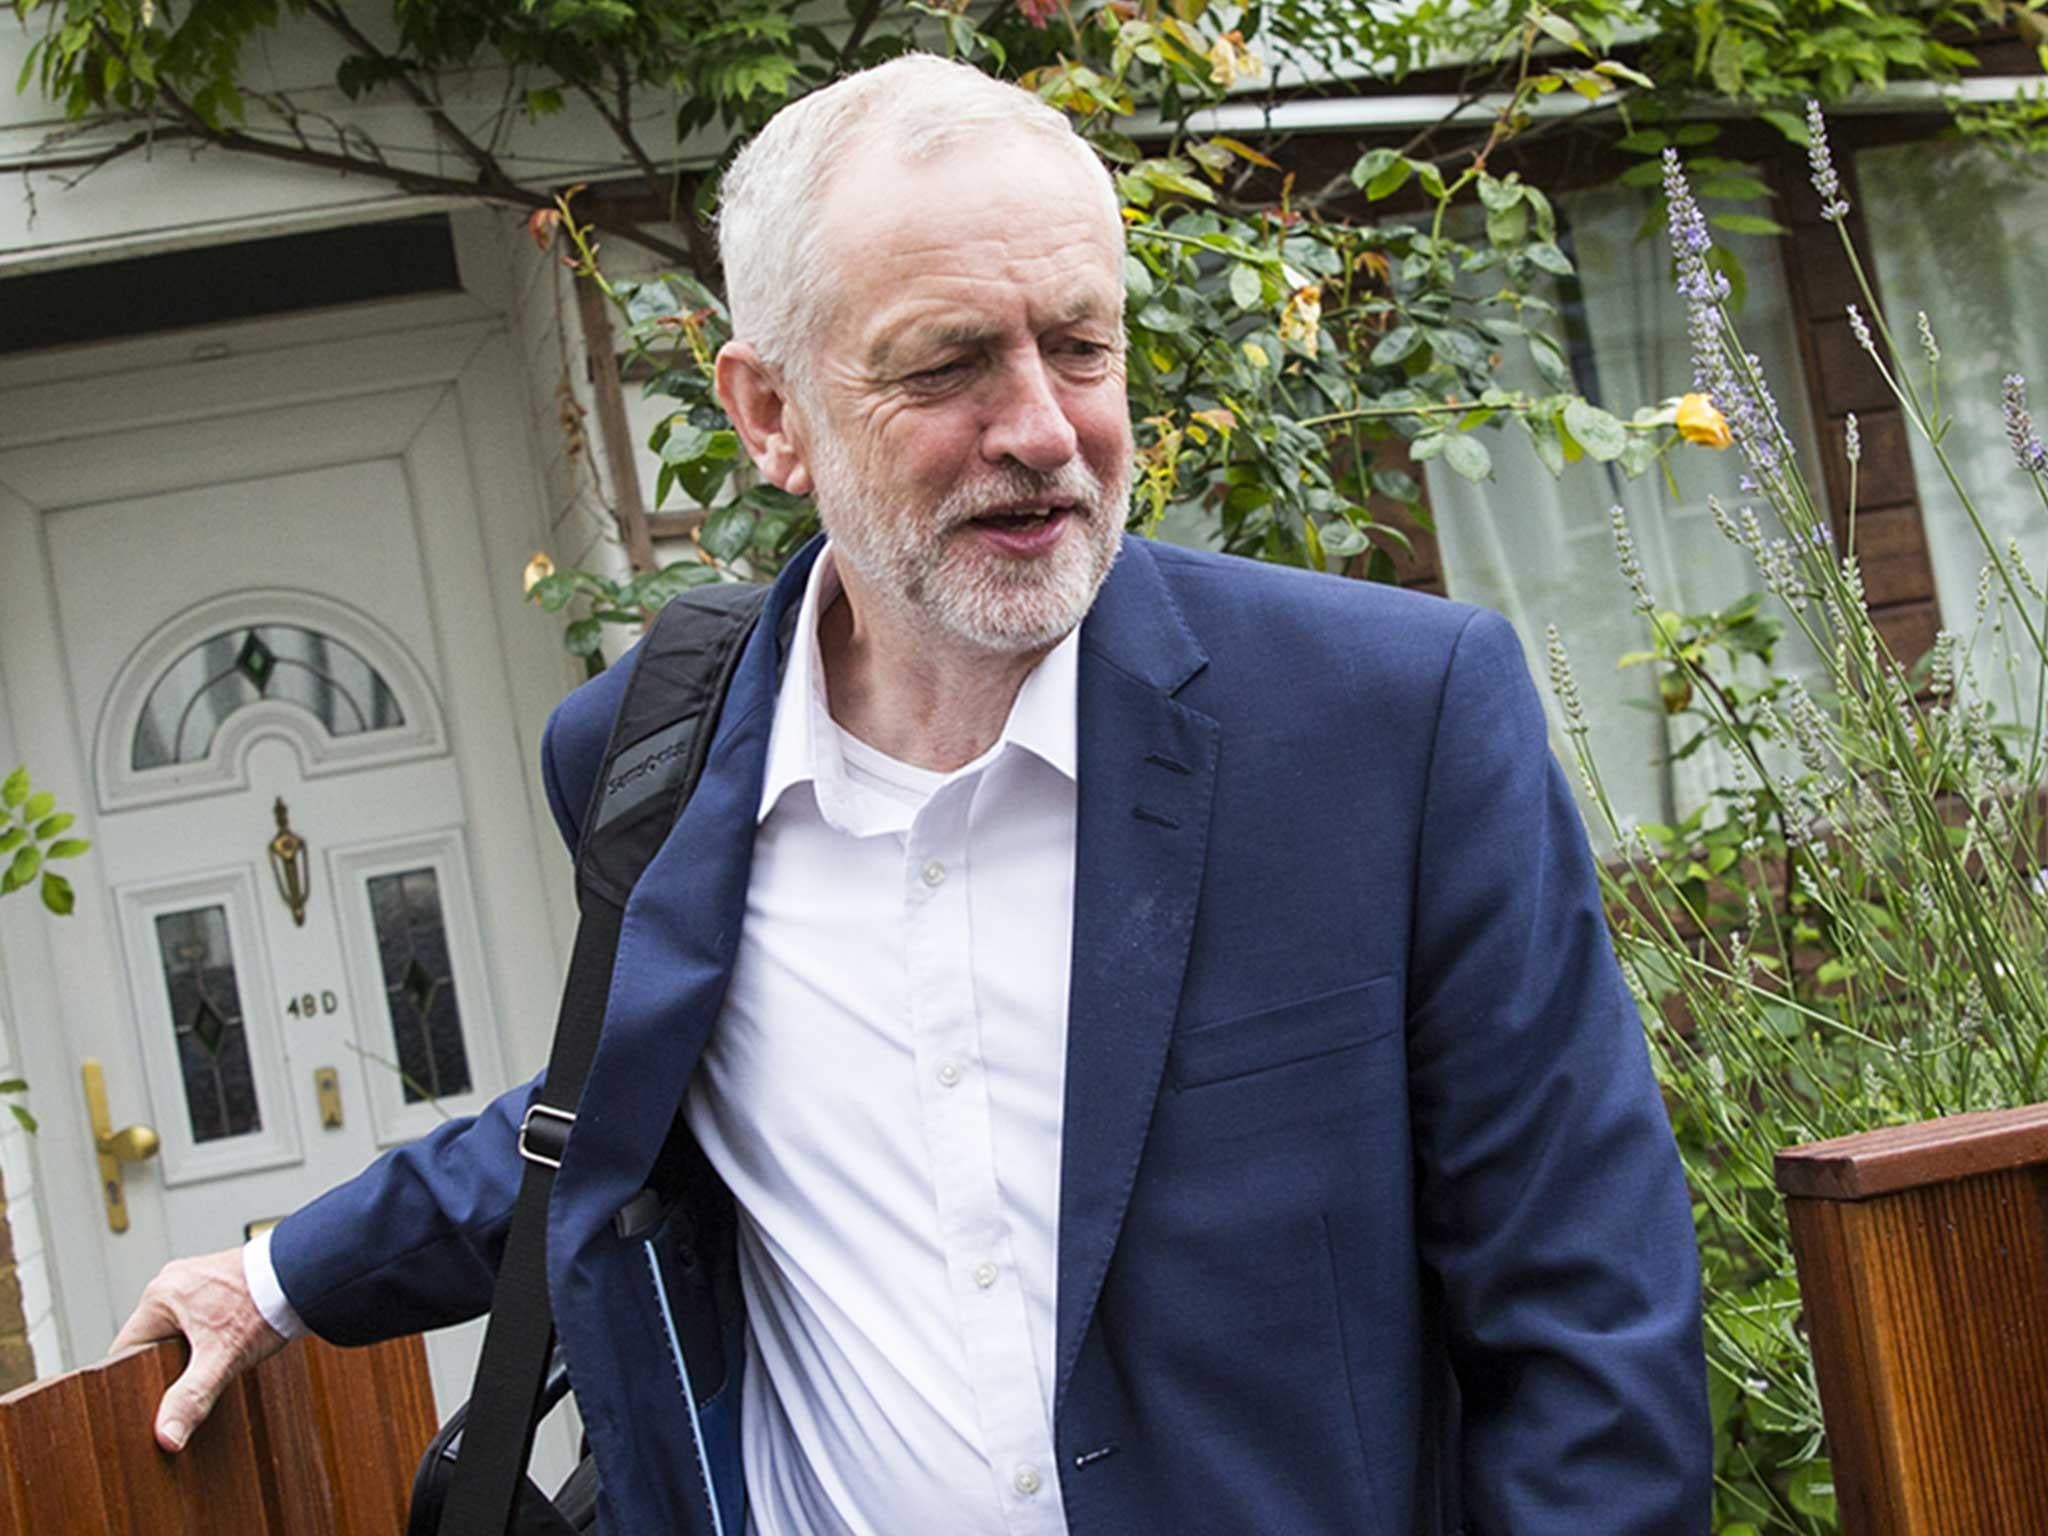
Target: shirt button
934 872
949 1074
984 1274
1026 1480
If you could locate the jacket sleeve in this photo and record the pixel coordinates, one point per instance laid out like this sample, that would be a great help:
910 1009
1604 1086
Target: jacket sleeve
1553 1214
412 1242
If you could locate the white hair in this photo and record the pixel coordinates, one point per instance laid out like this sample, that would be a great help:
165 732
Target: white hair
772 198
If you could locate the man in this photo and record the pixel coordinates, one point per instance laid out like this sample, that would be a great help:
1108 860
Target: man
1161 1073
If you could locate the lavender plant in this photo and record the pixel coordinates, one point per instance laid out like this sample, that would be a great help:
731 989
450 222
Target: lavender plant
1849 933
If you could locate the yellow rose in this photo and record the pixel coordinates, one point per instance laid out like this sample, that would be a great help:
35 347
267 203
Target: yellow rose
538 569
1699 422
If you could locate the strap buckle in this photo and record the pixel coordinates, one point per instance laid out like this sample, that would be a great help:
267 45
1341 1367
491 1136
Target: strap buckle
544 1144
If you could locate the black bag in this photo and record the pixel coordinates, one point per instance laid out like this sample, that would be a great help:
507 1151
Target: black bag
472 1480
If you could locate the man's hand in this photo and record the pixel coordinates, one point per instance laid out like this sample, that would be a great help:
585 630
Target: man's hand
207 1300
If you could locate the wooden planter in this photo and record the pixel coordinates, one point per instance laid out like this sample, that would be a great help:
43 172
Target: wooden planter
1923 1268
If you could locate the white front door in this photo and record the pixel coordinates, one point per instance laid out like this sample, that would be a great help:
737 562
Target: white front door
283 831
266 663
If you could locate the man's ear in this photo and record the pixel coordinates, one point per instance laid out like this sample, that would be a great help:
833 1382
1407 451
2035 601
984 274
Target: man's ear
756 397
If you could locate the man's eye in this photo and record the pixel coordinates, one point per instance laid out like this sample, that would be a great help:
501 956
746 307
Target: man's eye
943 373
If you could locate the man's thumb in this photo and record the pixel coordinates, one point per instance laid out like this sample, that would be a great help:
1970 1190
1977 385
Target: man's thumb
188 1401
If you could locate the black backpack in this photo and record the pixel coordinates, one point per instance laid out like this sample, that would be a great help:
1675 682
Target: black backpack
472 1480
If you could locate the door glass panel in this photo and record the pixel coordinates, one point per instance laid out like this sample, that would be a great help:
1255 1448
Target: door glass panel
206 1014
207 685
419 984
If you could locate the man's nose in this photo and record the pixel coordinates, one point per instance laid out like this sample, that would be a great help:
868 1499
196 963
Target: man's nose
1026 421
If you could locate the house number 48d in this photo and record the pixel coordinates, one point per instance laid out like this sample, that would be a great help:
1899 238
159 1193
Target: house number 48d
306 1005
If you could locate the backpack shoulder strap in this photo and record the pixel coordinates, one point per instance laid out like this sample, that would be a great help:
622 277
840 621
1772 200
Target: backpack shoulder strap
656 754
662 732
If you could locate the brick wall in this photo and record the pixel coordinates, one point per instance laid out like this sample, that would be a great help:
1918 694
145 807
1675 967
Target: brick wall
28 1321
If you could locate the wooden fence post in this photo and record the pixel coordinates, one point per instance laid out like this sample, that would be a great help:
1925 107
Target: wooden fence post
316 1441
1923 1274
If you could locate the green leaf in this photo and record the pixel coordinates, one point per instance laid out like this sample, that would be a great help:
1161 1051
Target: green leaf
1747 224
1247 287
1343 539
1428 446
1469 457
14 1085
1550 360
686 443
1614 69
1811 1490
57 895
554 592
1547 256
1507 226
1381 172
27 1120
15 790
1557 27
1644 141
1691 135
1741 188
66 848
1648 174
53 825
727 532
1497 195
1156 316
1396 345
1600 434
1460 348
584 637
1790 124
38 806
1543 437
1396 484
12 839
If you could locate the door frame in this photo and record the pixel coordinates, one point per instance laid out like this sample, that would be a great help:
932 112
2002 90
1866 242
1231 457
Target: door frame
439 384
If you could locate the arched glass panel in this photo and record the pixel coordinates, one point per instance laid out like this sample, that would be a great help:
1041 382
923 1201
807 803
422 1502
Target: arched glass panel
226 673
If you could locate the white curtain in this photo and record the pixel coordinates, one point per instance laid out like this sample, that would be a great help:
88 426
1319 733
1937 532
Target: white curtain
1540 549
1964 236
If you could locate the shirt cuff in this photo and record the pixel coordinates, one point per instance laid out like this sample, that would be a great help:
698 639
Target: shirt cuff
261 1277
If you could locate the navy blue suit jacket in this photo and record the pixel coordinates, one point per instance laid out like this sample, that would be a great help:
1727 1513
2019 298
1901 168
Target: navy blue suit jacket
1370 1218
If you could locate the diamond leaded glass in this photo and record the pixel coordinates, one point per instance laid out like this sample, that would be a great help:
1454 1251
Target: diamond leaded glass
228 672
419 984
206 1017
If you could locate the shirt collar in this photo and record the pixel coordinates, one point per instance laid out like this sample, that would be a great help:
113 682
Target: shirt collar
803 746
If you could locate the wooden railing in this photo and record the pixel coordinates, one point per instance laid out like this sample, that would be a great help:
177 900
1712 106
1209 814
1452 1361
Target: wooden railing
1923 1274
316 1441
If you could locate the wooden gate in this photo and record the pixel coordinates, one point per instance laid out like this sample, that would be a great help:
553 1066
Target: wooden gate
316 1441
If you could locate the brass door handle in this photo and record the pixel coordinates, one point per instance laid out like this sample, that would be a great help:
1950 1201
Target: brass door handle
130 1144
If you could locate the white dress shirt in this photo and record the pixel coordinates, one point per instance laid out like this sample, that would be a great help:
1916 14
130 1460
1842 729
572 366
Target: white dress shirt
883 1095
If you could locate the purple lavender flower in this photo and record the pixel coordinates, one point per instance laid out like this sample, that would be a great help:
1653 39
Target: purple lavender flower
1826 183
2028 451
1862 329
1852 439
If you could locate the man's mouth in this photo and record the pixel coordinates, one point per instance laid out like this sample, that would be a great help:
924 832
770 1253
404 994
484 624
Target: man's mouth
1023 532
1017 519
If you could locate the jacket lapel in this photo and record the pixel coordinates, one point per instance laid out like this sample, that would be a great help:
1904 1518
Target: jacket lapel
1147 777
